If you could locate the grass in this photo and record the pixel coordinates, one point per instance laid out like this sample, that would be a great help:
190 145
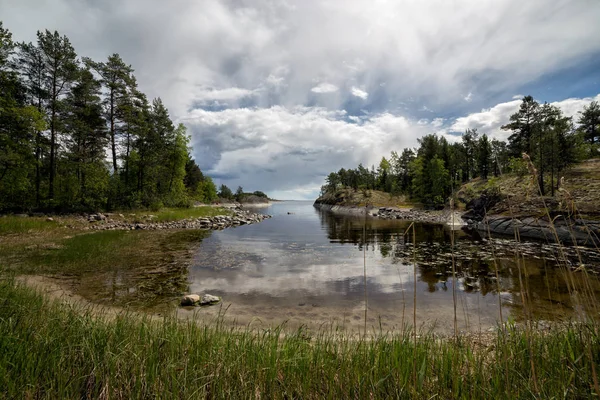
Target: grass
48 351
9 224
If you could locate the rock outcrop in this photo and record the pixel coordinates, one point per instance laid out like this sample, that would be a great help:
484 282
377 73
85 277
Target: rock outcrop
566 231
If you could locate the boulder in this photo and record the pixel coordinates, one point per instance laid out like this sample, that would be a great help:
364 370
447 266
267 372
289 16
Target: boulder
209 299
190 300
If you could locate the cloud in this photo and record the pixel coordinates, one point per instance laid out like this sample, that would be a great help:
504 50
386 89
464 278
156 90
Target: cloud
359 93
490 121
403 49
290 151
437 122
232 93
324 88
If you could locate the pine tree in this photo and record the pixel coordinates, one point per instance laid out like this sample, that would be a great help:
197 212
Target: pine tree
32 69
60 71
522 124
589 124
484 155
87 140
469 142
117 77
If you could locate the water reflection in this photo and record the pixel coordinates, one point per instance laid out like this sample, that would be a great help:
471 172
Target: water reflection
305 258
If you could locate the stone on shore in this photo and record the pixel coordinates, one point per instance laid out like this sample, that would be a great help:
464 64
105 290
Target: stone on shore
190 300
209 300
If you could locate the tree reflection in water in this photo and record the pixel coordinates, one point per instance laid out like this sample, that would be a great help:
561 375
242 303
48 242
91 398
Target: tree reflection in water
545 281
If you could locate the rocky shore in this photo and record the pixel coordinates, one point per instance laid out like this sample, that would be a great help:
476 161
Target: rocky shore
568 231
487 213
406 214
118 222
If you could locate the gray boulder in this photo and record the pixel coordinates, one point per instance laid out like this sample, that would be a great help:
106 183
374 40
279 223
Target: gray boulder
209 299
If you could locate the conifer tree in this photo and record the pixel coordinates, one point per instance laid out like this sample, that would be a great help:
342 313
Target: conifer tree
589 124
60 67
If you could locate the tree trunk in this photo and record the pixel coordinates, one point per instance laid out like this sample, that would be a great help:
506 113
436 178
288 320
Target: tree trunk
52 152
38 177
112 131
541 172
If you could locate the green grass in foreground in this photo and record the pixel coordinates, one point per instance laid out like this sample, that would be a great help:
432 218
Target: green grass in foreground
175 214
50 351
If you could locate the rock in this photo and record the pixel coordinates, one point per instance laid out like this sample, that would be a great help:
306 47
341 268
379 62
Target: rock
209 300
49 219
190 300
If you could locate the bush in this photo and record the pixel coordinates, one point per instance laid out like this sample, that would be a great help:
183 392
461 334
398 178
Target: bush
156 206
517 166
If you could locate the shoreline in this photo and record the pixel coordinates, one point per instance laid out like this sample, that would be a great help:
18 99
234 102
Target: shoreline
441 217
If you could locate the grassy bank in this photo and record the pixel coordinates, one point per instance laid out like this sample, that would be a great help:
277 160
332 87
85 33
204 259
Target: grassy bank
50 351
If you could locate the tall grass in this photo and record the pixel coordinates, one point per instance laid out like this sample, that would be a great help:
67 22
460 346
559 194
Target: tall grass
50 351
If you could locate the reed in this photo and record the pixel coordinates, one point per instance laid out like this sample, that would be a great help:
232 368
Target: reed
49 350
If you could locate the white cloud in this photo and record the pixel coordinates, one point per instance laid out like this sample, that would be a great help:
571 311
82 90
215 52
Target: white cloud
324 88
404 48
437 122
359 93
233 93
289 150
490 121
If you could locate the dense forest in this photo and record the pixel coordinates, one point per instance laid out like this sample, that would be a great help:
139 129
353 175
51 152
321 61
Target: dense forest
539 133
78 134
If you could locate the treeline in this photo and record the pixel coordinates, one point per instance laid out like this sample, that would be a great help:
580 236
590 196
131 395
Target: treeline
78 134
226 194
429 173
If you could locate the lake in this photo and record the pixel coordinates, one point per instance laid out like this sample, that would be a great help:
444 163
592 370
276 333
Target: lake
314 268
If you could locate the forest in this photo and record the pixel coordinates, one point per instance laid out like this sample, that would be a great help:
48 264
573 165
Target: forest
539 134
78 134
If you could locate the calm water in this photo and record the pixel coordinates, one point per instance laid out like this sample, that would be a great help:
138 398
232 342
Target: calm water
306 266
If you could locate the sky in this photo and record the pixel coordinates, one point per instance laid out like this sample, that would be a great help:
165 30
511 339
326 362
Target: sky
278 93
